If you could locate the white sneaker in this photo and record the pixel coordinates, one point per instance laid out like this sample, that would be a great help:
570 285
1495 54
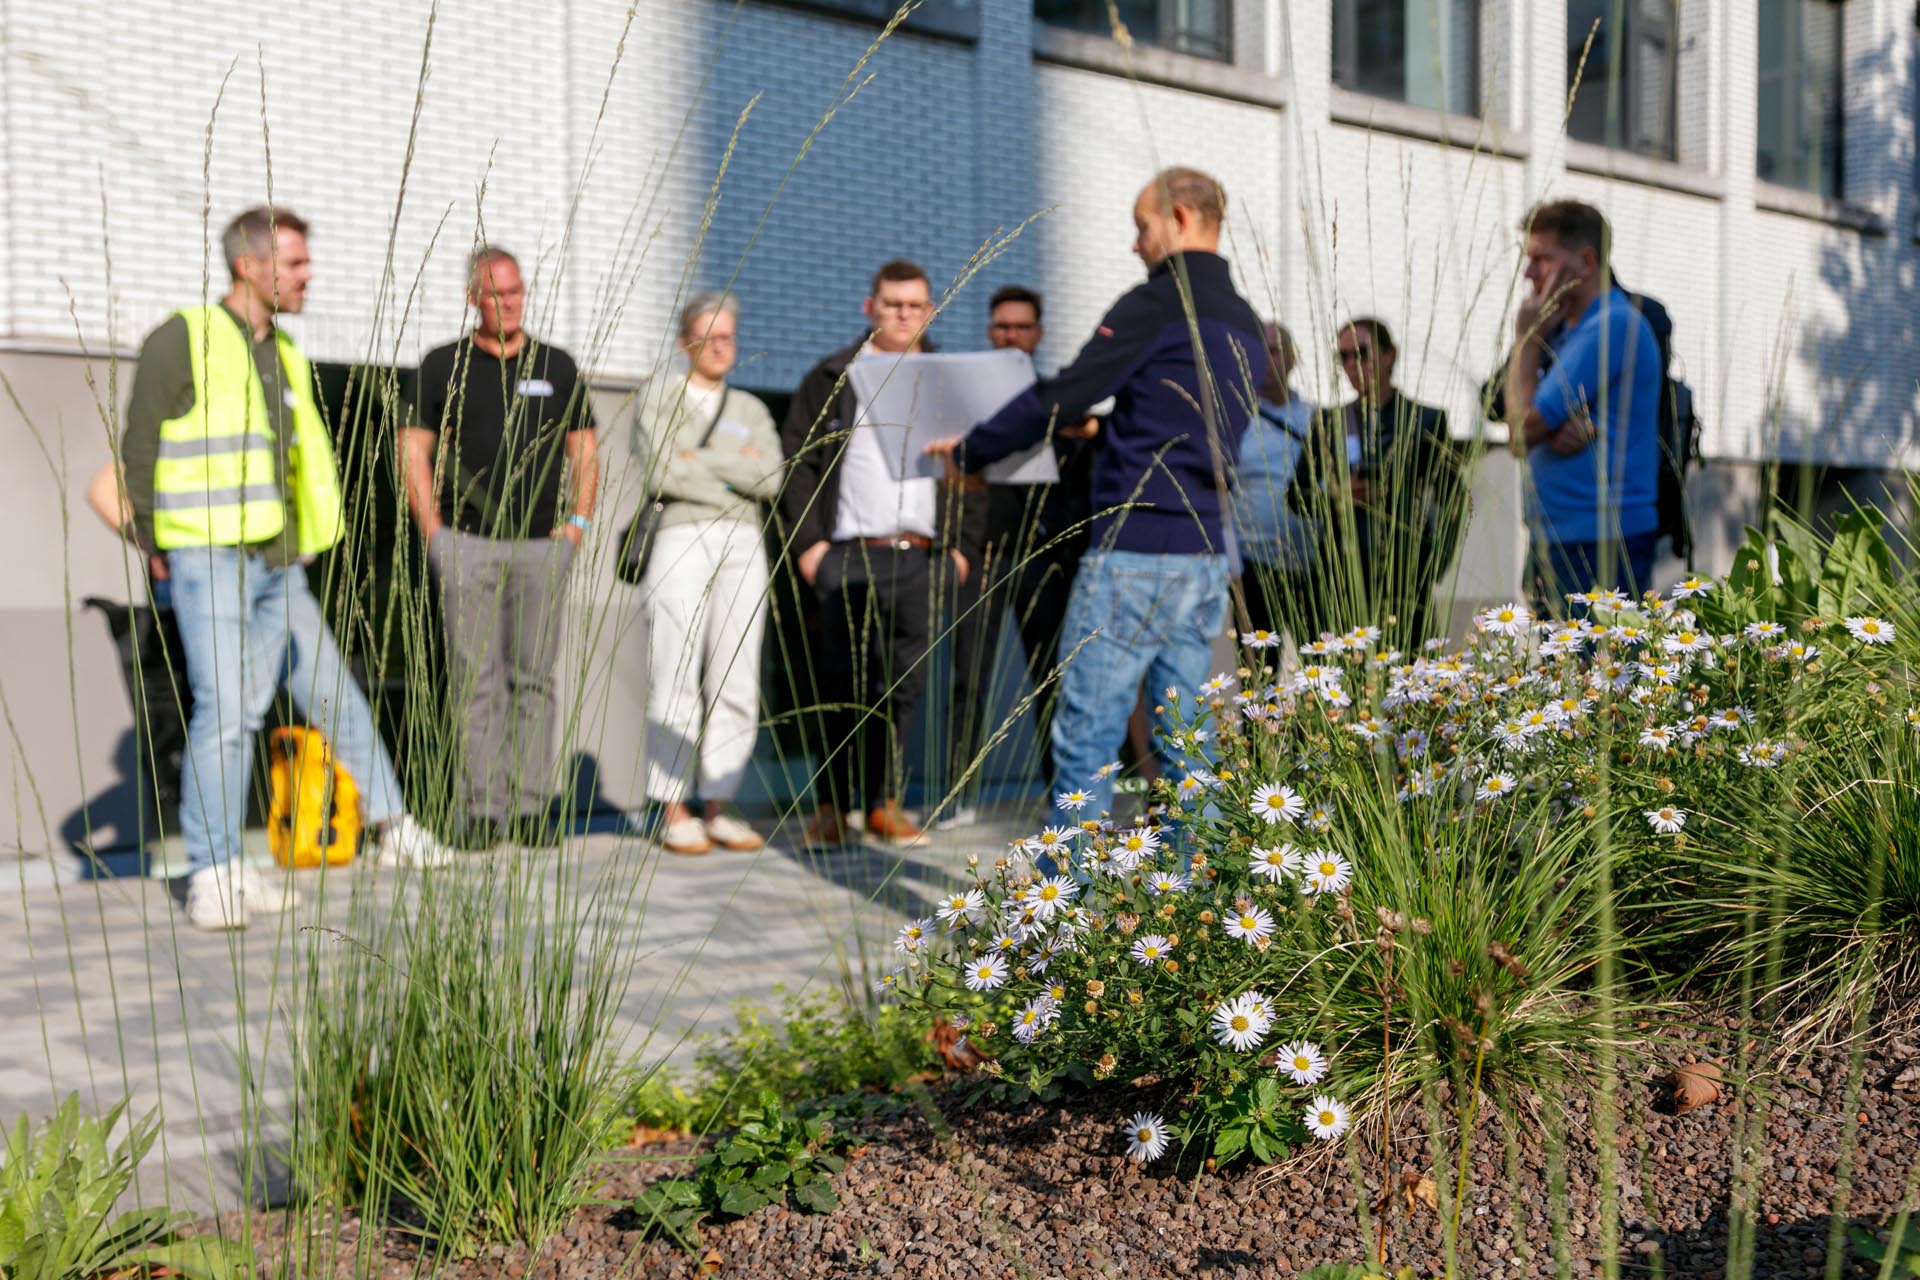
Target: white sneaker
961 818
266 892
730 832
214 901
404 842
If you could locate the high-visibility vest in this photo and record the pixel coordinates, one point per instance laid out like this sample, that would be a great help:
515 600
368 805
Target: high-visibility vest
215 482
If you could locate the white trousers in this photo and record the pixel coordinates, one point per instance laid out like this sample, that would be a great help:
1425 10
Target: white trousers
706 610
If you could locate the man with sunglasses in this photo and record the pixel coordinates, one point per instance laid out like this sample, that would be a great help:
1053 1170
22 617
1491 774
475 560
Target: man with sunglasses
1389 492
869 546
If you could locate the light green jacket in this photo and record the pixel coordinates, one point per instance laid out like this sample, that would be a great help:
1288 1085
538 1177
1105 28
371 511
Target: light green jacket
739 468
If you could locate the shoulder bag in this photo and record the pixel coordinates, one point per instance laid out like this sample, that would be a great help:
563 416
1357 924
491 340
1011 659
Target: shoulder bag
636 540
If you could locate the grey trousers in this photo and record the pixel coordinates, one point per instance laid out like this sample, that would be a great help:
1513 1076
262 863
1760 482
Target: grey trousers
503 601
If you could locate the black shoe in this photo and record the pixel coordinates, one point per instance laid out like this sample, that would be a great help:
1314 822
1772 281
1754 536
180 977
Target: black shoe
475 835
535 831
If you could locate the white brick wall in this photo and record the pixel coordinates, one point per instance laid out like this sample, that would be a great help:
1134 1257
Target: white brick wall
1783 318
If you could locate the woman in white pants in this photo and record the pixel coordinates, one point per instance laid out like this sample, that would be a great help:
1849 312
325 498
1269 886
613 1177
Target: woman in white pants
711 454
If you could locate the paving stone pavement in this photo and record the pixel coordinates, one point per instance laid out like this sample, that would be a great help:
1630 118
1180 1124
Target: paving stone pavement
110 993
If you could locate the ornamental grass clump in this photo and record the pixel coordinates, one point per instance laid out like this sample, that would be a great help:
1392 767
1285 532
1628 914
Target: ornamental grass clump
1371 872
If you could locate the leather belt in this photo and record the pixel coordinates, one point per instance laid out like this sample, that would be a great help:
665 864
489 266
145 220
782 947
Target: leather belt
898 542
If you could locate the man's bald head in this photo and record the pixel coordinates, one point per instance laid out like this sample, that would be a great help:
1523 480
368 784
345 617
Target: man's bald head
1179 211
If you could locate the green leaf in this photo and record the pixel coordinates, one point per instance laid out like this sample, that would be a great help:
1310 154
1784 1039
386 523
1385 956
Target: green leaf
817 1196
196 1257
742 1200
1257 1142
1229 1143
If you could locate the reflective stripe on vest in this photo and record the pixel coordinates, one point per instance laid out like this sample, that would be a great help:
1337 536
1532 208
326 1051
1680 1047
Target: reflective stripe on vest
215 480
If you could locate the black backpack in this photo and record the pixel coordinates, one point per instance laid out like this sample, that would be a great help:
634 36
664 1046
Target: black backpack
1679 432
1679 426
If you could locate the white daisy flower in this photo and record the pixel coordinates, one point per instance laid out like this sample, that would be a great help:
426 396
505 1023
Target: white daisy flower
1334 696
1329 872
1362 637
1763 754
1303 1062
1105 771
1327 1118
1249 923
987 972
1006 940
1238 1024
911 936
1664 674
1412 744
963 908
1657 736
1666 819
1035 1016
889 981
1276 863
1275 802
1073 801
1167 882
1191 786
1220 683
1260 638
1150 950
1764 632
1136 845
1730 718
1693 587
1507 620
1051 894
1913 716
1800 651
1146 1137
1868 629
1687 641
1319 818
1494 786
1052 840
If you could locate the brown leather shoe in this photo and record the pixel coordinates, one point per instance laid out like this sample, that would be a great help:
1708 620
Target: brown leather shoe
891 824
826 829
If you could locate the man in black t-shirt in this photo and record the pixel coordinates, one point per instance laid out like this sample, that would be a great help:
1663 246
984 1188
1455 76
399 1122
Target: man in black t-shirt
501 470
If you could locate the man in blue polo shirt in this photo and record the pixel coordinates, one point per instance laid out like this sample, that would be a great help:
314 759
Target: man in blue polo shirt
1583 402
1183 356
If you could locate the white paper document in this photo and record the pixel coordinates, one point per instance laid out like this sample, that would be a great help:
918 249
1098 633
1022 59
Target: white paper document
911 401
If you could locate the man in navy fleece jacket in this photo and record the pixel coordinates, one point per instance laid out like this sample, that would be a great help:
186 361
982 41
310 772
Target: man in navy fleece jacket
1182 356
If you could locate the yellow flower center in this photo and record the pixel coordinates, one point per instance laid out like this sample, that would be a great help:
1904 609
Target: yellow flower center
1240 1022
1328 868
1326 1119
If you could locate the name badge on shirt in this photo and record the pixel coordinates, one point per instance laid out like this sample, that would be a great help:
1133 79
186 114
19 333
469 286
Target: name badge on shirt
534 387
728 427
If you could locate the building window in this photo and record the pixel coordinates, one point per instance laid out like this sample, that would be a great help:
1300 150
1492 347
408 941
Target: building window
1627 86
1423 52
1802 69
1203 28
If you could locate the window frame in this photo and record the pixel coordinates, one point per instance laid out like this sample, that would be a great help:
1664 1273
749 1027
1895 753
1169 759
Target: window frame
1806 139
1345 63
1631 132
1167 20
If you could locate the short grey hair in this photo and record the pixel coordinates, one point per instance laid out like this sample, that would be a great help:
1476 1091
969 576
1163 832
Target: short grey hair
251 234
706 304
484 257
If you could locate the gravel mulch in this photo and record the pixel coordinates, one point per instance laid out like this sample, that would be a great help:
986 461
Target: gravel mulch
1043 1190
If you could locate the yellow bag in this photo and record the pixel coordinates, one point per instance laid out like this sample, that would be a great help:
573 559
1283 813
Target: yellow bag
315 809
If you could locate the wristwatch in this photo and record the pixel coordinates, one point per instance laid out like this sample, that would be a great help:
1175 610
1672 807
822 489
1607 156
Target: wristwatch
580 522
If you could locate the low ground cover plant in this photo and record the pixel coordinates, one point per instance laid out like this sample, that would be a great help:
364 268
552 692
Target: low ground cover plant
1377 871
811 1052
772 1156
59 1184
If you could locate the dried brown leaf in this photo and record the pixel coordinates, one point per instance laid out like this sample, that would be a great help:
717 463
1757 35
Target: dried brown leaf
1694 1084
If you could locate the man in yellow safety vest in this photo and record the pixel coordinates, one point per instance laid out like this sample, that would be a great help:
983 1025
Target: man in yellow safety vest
230 474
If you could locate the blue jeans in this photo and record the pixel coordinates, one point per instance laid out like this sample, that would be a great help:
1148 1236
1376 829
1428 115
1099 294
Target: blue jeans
1142 617
244 629
1576 566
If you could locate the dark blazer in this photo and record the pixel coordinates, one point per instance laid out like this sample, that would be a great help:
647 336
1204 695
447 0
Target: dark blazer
1413 519
814 437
